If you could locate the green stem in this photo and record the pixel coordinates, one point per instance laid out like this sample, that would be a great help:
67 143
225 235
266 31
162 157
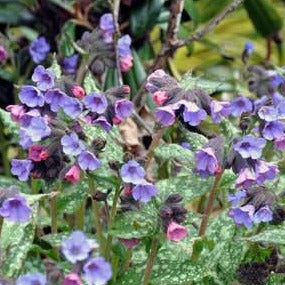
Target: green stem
4 151
53 214
96 211
111 220
210 204
128 259
1 224
115 263
80 216
150 261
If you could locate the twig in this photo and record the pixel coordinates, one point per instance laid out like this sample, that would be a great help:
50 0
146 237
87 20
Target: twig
173 44
210 204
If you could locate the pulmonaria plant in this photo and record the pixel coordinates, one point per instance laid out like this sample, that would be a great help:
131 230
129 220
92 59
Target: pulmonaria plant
52 116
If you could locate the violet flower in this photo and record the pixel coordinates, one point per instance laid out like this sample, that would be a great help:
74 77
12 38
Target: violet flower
21 168
273 130
193 115
72 145
265 171
96 102
219 110
165 115
44 78
88 161
55 98
132 172
31 96
240 105
123 108
35 278
144 191
243 215
206 162
39 48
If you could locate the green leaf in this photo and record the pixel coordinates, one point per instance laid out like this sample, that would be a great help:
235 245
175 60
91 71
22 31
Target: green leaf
6 182
190 187
17 239
135 224
67 36
190 8
10 127
55 68
89 83
176 152
195 140
144 16
55 240
273 235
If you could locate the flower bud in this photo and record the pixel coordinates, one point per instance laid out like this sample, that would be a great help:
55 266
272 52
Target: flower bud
3 54
72 279
159 97
73 174
173 198
176 232
129 243
78 91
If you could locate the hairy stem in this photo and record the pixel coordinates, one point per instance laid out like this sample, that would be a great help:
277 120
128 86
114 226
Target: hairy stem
96 210
210 204
150 261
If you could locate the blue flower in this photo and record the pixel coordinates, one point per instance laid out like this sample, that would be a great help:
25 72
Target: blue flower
132 172
43 77
31 96
72 107
39 48
97 271
72 145
88 161
69 64
21 168
102 122
240 105
96 102
265 171
123 108
124 46
16 209
206 162
264 214
144 191
165 115
55 98
273 130
250 146
249 47
236 198
268 113
193 115
219 110
76 247
243 215
32 279
107 27
38 129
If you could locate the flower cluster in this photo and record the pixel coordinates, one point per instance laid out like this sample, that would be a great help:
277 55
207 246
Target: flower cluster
77 249
132 173
52 115
172 214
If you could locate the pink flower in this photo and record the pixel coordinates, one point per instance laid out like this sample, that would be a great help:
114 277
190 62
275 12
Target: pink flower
73 174
116 120
3 54
72 279
126 63
176 232
129 243
78 91
159 97
37 153
16 111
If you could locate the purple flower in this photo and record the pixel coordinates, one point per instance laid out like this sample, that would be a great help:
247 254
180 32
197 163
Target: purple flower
243 215
165 115
265 171
193 115
96 102
102 122
250 146
240 105
97 271
268 113
38 129
124 46
88 161
186 145
24 139
16 209
31 96
249 47
71 144
27 117
21 168
32 279
219 110
143 192
43 77
55 98
273 130
132 172
277 98
76 247
280 109
72 107
123 108
237 197
3 54
276 80
206 162
245 179
107 26
69 64
258 103
264 214
39 48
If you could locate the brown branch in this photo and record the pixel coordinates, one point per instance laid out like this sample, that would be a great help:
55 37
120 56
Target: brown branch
173 44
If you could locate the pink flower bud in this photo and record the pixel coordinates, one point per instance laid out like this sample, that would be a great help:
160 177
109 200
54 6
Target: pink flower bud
126 63
116 120
176 232
72 279
126 89
78 91
159 97
128 191
129 243
3 54
73 174
37 153
16 111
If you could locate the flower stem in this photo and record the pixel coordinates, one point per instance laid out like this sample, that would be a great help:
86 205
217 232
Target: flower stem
80 216
129 255
210 204
111 220
150 261
53 211
96 210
